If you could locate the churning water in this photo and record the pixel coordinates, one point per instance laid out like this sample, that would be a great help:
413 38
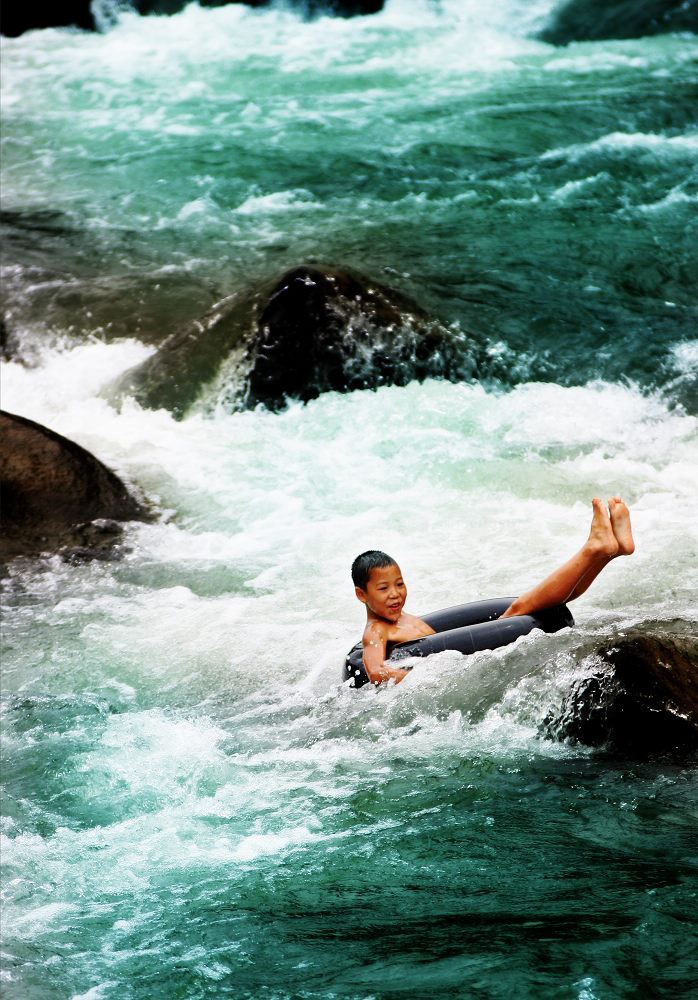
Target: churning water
195 806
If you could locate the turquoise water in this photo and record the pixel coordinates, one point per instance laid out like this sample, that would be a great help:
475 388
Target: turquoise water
194 805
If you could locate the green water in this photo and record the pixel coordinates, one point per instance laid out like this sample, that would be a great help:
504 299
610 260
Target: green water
543 198
194 805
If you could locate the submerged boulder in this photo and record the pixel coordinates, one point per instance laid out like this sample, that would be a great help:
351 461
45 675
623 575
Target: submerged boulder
309 8
323 330
313 330
56 495
172 377
641 697
4 341
593 20
15 18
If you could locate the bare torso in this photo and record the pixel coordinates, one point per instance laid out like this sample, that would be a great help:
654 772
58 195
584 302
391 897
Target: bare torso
380 635
405 628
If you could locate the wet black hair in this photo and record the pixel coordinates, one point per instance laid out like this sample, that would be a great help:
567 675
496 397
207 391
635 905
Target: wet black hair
367 561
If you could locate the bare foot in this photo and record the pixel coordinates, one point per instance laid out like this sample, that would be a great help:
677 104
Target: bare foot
602 540
620 522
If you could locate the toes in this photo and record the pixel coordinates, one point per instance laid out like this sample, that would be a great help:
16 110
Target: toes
599 509
616 505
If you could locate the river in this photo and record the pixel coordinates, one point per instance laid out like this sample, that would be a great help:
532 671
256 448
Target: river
195 806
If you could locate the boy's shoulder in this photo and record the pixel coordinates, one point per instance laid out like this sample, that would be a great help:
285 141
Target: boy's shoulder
376 628
381 630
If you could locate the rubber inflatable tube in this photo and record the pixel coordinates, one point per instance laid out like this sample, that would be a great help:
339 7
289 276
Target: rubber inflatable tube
467 628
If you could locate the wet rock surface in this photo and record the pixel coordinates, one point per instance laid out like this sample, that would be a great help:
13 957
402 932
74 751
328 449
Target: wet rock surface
310 8
18 18
312 330
593 20
324 330
58 496
15 19
640 697
173 376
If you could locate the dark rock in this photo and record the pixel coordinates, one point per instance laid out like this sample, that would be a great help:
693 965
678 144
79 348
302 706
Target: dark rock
641 697
172 378
98 539
5 349
56 495
311 331
323 330
16 18
310 8
593 20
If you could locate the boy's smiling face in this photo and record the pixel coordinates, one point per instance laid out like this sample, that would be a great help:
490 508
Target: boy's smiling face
385 593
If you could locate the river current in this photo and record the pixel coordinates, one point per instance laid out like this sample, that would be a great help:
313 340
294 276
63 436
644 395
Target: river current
195 806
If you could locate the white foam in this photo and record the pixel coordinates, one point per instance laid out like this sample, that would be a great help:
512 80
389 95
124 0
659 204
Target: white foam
676 197
273 507
278 201
676 145
686 357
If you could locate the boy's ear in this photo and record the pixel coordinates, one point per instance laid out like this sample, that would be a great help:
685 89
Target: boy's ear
361 594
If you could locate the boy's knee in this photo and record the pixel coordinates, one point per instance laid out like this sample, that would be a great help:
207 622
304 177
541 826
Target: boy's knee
517 607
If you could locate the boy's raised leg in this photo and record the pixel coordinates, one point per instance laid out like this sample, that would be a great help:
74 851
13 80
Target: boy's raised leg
610 536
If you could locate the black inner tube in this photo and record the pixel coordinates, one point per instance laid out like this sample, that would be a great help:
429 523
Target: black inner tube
467 628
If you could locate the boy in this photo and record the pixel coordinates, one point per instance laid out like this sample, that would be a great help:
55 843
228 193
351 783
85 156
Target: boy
379 585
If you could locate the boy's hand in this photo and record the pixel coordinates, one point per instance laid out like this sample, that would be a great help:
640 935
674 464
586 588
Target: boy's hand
386 673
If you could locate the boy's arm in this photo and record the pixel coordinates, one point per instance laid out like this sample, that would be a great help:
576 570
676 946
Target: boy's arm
375 641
